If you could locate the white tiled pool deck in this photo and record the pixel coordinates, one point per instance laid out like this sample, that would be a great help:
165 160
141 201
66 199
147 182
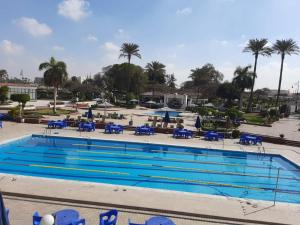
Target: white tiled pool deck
149 198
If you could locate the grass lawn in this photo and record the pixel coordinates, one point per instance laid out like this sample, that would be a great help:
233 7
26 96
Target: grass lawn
49 112
254 118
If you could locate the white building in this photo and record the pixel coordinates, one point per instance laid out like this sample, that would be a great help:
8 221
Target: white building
13 88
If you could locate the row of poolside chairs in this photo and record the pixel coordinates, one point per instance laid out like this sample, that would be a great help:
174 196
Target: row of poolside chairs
213 136
113 128
72 217
144 130
247 139
180 132
57 124
87 126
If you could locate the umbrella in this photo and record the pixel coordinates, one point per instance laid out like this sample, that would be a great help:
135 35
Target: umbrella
167 109
3 213
166 119
151 102
198 123
105 104
90 114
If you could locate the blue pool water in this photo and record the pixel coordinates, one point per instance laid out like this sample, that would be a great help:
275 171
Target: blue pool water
216 172
163 113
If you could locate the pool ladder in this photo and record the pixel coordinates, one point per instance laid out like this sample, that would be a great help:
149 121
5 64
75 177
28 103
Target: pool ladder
47 131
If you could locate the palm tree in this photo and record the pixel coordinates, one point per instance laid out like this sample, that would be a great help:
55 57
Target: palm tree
256 47
128 50
156 72
284 47
242 80
3 75
54 76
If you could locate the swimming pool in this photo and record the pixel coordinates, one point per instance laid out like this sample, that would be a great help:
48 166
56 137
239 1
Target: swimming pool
216 172
163 113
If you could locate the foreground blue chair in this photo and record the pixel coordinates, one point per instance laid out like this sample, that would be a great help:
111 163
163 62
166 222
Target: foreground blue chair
36 220
109 218
1 124
130 223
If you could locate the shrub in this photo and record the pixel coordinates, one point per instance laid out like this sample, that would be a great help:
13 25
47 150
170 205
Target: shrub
233 113
3 94
236 133
14 112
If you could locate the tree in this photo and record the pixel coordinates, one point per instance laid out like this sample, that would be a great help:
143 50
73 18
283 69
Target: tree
242 80
22 99
128 50
171 81
3 75
156 73
261 93
284 47
124 78
54 76
228 91
207 79
3 94
256 47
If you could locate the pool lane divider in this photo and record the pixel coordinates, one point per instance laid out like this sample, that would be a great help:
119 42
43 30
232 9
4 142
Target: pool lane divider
65 168
174 168
161 151
203 182
200 182
167 159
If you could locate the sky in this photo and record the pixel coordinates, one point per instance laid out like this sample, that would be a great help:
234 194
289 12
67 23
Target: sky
182 34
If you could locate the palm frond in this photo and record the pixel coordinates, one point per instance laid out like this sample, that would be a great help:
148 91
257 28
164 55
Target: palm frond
286 46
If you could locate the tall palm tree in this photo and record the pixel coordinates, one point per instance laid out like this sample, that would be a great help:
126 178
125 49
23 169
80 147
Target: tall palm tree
284 47
54 76
128 50
242 80
256 47
3 75
156 72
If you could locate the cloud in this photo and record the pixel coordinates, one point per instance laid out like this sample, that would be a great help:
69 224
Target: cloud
122 34
58 48
74 9
34 27
91 38
222 42
111 53
184 11
182 45
10 48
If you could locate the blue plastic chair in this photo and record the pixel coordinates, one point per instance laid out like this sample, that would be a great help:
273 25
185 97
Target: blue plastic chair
109 218
36 220
1 124
130 223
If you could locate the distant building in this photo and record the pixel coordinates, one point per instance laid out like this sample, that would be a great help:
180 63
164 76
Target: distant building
273 93
39 80
14 88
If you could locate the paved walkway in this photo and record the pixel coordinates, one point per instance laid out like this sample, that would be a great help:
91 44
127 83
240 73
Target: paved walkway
91 213
287 126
